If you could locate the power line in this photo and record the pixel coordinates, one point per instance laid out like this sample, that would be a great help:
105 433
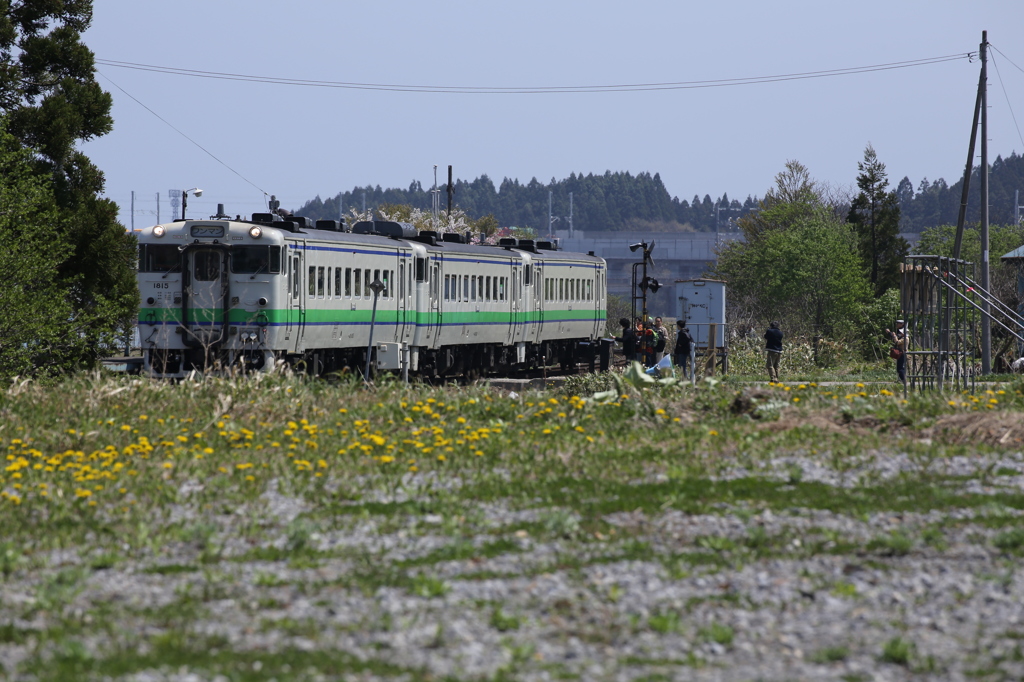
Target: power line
562 89
169 124
1007 96
1005 57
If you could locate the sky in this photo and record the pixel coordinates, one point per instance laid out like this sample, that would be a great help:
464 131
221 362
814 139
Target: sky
244 141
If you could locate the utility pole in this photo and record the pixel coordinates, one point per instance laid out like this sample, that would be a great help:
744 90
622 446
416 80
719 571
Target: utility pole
570 215
451 194
986 322
435 200
550 221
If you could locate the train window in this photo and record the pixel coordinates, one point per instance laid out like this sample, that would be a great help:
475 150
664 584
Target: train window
487 288
528 275
501 289
320 282
579 289
366 283
275 259
359 283
295 278
447 287
386 293
348 282
207 266
590 290
376 278
337 282
561 288
421 269
329 277
158 258
472 289
250 260
465 288
312 280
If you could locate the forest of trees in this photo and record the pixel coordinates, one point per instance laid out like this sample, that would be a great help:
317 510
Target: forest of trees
622 201
609 202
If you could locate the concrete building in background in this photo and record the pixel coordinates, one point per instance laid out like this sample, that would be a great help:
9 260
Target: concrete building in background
676 256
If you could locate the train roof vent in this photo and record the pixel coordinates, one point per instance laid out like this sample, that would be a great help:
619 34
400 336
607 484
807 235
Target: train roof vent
528 245
453 237
297 222
547 246
508 242
265 218
331 225
427 237
390 228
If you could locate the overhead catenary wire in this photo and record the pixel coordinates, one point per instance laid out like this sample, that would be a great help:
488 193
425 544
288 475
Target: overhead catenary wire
530 90
175 129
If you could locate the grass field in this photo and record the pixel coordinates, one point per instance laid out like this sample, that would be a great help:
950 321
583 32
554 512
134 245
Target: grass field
281 528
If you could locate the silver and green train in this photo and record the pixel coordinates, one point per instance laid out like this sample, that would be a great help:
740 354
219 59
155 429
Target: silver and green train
254 293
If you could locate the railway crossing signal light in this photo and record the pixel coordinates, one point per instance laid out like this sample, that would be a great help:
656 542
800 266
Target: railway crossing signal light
649 283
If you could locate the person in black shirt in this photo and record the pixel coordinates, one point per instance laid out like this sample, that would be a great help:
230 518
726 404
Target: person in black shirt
684 343
628 340
773 350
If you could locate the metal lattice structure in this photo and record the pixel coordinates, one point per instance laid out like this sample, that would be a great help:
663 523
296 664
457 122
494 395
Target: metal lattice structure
938 299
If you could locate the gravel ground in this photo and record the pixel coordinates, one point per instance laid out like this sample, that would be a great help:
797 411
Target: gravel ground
693 599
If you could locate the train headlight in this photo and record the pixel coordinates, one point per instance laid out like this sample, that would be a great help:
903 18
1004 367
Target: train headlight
255 231
158 231
263 301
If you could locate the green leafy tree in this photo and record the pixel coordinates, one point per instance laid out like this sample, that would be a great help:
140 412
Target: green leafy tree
799 263
875 216
52 102
34 302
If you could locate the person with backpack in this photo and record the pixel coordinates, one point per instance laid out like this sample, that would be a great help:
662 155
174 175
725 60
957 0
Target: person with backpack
648 339
684 345
628 340
899 350
660 341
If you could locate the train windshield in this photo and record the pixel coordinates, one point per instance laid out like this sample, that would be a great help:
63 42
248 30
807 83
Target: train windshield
249 260
158 258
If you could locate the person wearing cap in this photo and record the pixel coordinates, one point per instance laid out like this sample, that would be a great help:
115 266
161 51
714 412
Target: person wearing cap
773 350
899 350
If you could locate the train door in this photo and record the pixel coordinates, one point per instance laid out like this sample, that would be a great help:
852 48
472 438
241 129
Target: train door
515 308
595 299
435 299
402 329
295 314
206 292
539 289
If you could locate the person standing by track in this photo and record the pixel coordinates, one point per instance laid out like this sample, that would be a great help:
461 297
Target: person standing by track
773 350
899 350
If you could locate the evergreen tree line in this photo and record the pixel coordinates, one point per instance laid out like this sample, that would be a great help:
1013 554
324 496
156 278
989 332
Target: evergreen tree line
938 203
610 202
624 202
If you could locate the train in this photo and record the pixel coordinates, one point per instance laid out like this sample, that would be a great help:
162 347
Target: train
254 293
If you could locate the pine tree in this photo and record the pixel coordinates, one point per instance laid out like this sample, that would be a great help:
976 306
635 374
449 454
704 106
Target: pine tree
51 102
875 216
